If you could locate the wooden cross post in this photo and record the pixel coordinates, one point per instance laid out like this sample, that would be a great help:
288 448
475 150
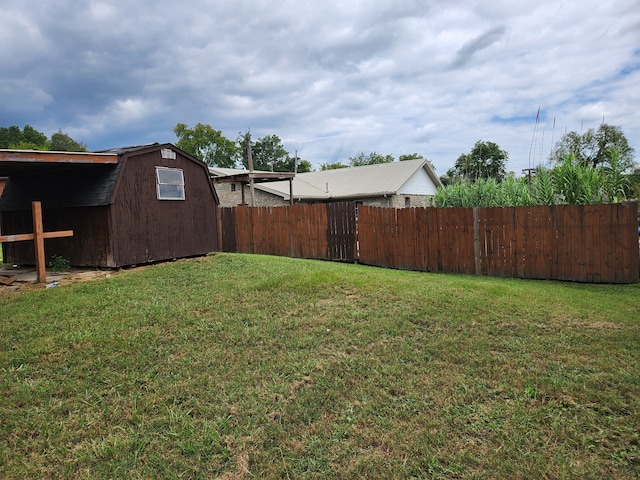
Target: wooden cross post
38 237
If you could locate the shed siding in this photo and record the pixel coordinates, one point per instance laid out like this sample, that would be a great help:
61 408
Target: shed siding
148 229
90 245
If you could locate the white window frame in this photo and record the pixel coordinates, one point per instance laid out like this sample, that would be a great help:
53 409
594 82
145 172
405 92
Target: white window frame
170 188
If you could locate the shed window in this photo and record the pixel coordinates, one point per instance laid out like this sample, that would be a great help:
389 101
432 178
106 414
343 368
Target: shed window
170 183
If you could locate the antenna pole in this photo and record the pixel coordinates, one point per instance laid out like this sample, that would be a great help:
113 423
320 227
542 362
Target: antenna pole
534 135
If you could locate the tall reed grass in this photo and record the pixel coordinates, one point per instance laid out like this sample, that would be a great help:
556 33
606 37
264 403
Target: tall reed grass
568 183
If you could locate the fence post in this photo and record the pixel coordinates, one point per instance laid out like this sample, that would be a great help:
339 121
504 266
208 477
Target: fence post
219 218
476 240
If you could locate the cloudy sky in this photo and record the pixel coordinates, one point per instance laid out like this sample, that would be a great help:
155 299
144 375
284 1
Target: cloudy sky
330 78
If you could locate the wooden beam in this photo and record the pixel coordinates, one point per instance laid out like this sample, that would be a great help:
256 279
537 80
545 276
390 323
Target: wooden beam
291 191
16 238
38 236
34 156
58 234
30 236
38 231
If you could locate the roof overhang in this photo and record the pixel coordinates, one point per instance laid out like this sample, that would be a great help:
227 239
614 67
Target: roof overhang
24 162
257 177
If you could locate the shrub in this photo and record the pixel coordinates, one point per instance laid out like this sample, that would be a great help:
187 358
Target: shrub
59 264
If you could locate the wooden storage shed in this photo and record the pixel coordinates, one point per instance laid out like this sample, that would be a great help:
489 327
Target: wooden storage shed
126 206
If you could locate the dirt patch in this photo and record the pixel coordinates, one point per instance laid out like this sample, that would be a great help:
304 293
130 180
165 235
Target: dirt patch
18 279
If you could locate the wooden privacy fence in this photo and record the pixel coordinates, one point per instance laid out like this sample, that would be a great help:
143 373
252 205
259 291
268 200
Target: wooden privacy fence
320 231
585 243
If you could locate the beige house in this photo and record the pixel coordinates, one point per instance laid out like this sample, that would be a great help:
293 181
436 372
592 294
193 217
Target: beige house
399 184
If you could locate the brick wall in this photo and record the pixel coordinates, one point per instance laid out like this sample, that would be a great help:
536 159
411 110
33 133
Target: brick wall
230 198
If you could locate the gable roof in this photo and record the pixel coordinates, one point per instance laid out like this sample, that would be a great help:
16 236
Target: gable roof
354 182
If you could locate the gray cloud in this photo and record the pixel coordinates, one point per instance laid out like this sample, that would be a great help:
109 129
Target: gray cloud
481 42
330 78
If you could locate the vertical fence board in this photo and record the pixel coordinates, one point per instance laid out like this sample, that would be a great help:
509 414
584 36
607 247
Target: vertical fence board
441 243
574 232
431 238
563 245
521 219
423 235
509 241
628 223
553 241
448 258
481 238
493 241
593 259
607 223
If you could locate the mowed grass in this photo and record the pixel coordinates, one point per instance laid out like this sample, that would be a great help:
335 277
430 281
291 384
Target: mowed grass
236 366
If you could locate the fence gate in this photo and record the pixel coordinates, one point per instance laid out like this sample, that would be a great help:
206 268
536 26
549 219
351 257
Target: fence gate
341 231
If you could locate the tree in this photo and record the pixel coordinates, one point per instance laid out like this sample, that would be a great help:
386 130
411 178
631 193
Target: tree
594 147
304 166
415 156
33 137
289 165
207 144
486 160
333 166
27 138
634 183
409 156
268 154
61 142
10 136
362 159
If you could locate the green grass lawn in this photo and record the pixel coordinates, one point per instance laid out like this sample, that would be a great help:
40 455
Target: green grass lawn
238 366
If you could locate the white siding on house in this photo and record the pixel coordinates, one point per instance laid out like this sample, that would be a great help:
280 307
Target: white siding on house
418 184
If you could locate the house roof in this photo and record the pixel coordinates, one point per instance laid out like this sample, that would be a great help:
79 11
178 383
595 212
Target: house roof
355 182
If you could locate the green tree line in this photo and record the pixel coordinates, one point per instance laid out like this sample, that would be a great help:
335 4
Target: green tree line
267 153
28 138
213 148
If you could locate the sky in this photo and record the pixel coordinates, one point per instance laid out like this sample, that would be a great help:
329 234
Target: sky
330 78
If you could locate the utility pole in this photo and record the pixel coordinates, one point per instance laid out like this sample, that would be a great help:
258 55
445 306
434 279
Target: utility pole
250 160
